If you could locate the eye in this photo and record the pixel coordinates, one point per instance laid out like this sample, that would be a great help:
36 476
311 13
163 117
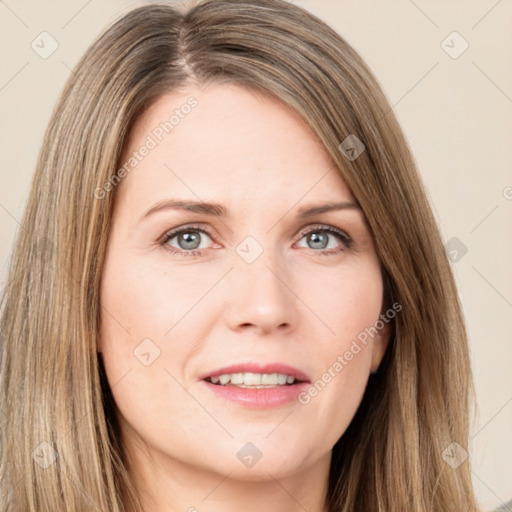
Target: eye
320 238
188 240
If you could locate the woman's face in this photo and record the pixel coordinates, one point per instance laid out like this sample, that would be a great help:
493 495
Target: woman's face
255 285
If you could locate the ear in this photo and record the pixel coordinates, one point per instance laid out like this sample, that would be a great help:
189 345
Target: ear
379 346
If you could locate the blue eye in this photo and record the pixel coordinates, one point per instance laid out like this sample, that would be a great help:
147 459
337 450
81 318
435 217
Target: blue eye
188 240
319 236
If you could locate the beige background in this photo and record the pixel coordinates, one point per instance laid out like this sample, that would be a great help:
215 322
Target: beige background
457 115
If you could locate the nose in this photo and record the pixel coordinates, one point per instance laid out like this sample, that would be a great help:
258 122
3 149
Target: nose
261 297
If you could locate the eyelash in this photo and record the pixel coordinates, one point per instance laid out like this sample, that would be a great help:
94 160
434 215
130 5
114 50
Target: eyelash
347 241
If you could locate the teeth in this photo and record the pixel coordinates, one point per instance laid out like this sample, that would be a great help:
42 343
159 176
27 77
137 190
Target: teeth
269 378
258 380
224 379
237 378
251 379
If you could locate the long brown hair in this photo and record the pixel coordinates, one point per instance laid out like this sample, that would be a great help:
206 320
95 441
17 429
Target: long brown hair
59 437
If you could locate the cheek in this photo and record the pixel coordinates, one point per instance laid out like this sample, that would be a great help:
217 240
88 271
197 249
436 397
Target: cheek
344 356
349 302
147 312
139 307
133 324
144 297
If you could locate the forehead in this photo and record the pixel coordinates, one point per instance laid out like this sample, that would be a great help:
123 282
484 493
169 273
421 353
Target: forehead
232 144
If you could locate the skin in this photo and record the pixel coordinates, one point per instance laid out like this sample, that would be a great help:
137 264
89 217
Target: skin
293 305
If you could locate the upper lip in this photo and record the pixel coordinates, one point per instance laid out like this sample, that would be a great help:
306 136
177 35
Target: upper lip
269 368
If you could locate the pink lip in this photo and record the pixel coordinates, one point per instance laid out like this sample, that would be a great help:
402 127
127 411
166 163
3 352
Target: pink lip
262 398
258 368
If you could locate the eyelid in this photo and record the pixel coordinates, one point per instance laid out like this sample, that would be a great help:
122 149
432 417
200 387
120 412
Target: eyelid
328 228
192 227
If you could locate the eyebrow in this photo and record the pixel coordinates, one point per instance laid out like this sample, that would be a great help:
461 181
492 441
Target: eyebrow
217 210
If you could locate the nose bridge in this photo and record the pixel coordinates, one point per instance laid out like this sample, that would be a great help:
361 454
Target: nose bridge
260 288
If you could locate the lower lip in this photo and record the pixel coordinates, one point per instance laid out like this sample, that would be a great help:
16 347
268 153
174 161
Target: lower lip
262 398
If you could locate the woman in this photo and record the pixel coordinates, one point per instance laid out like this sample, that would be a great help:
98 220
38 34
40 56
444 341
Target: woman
229 289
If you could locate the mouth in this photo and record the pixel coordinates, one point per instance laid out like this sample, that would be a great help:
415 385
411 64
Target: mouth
251 380
250 375
257 386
